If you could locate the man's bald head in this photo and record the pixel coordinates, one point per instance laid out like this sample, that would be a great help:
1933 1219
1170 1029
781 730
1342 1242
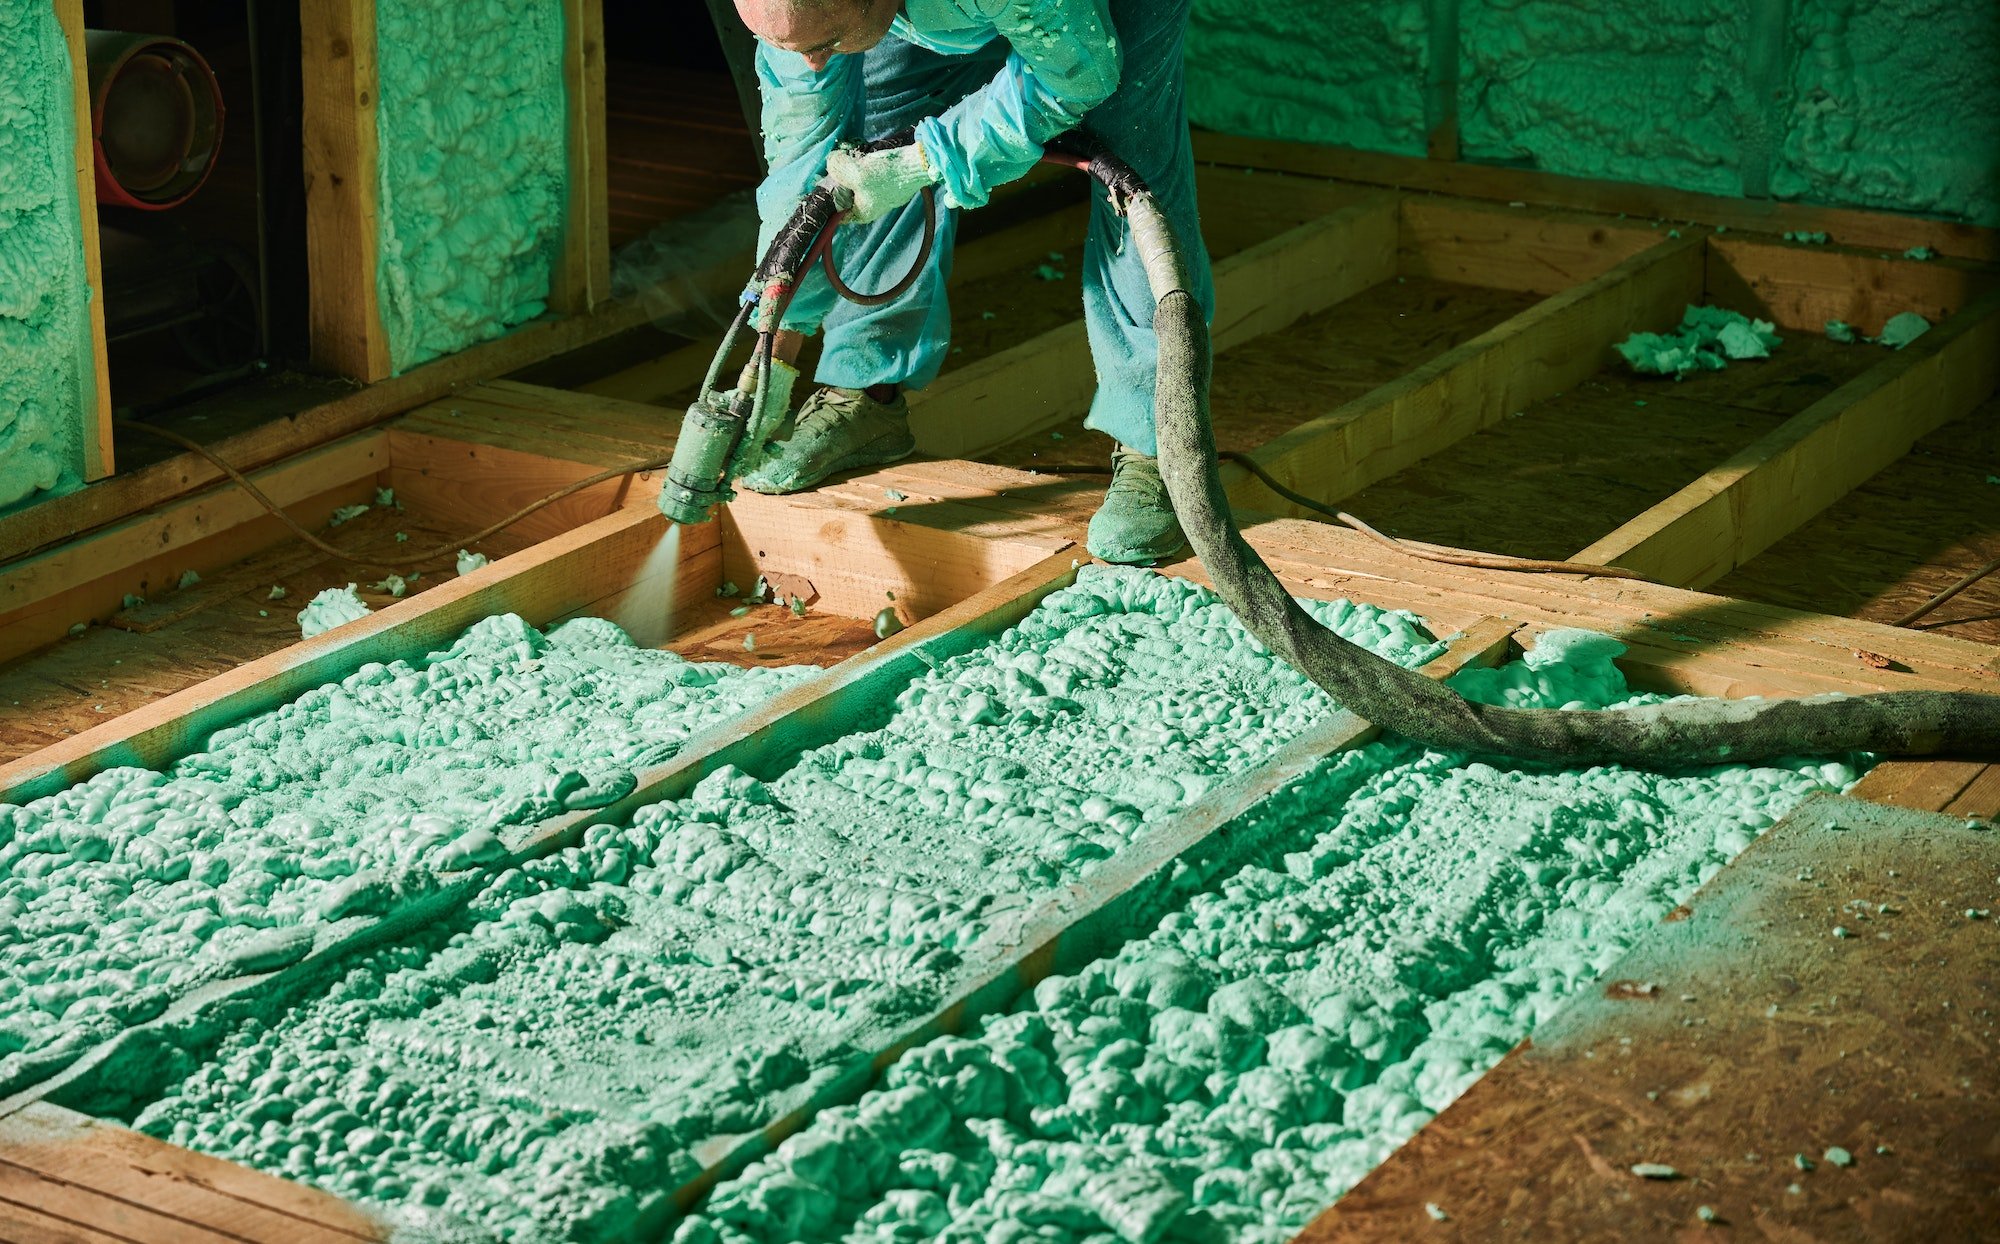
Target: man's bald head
819 29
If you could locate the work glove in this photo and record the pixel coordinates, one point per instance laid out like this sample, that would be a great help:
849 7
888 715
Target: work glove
879 182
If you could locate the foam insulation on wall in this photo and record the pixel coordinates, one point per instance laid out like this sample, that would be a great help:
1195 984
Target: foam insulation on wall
1895 105
472 130
1306 70
1646 91
1862 103
44 296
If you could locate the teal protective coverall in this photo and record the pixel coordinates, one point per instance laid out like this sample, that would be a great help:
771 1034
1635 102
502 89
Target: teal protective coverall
986 83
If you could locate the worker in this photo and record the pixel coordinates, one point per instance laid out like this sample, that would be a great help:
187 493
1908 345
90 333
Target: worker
985 83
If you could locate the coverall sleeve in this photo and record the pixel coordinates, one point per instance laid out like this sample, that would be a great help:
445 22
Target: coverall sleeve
1064 61
807 112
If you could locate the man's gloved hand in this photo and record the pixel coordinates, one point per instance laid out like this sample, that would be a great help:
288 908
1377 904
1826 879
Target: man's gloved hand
880 181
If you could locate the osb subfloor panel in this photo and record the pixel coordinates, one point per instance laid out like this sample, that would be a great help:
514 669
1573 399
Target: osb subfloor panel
1269 385
774 635
207 629
1910 532
1551 480
1735 1041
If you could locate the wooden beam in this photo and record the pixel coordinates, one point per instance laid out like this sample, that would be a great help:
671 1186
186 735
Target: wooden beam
97 453
1800 286
1539 250
582 277
133 1187
1856 227
342 178
1538 353
1051 377
1814 458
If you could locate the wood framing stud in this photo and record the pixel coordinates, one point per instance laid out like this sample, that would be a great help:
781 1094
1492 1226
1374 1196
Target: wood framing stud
1814 458
97 454
342 184
582 277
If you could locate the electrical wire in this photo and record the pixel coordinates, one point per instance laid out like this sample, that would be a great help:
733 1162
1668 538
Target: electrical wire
1422 551
1925 609
447 549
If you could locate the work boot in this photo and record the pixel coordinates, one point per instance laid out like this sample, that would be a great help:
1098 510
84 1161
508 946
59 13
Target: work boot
1136 523
837 430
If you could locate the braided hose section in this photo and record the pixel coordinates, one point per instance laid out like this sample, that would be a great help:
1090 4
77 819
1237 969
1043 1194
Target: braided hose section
1662 736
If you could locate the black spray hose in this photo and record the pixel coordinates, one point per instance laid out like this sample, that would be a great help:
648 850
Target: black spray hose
1663 736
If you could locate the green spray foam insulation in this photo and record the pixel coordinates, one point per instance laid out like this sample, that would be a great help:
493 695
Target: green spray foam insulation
121 894
45 355
1707 339
472 132
1407 918
546 1065
1868 103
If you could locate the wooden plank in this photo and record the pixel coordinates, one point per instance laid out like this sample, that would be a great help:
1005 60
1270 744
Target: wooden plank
930 553
342 227
163 1192
541 583
274 565
657 379
1980 800
582 276
21 1225
1540 250
1926 785
1051 377
1855 227
97 454
1542 351
1800 286
1768 490
86 1207
1764 1036
464 485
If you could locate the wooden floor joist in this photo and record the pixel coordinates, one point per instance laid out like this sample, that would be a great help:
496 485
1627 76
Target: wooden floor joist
1540 352
1748 503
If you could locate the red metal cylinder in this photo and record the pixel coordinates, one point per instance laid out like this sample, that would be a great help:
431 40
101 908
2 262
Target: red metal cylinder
155 118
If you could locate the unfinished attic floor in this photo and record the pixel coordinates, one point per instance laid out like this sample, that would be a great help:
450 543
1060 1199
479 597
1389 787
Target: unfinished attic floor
1555 476
1910 532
